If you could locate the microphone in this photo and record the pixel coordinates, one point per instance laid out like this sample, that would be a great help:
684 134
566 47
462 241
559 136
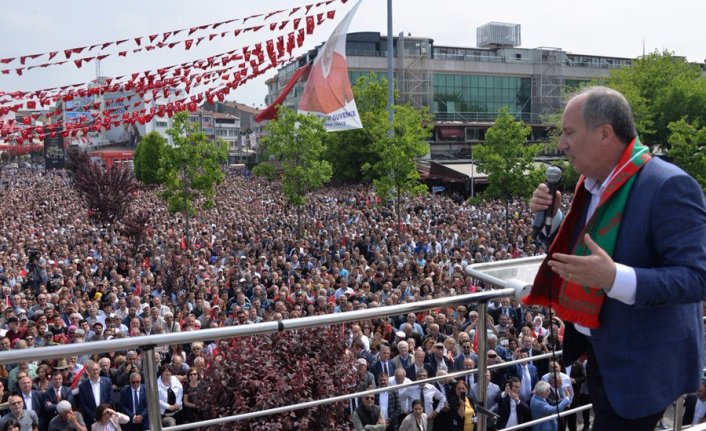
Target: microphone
553 176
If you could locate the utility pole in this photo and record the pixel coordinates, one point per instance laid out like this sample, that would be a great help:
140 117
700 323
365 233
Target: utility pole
390 79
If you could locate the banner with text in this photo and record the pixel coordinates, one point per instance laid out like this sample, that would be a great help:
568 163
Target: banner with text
328 92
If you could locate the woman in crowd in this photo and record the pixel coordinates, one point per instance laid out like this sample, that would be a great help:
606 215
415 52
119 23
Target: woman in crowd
171 394
41 383
461 408
415 421
108 419
192 387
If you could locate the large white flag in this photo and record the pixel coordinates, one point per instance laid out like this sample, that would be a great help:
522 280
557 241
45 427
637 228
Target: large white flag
328 92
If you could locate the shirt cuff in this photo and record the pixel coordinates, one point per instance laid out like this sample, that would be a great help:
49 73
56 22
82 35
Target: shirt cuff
624 286
556 221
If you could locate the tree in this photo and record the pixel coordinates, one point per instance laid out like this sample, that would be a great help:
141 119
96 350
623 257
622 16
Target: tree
135 226
281 369
148 158
688 149
191 168
508 160
107 192
350 150
395 172
661 89
297 142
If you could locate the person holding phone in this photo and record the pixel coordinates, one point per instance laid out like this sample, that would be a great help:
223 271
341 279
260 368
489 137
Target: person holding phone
512 410
461 408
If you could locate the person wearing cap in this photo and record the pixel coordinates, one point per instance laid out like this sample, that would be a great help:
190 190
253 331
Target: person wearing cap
14 331
66 419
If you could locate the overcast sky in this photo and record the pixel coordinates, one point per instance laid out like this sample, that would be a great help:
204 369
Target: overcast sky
598 27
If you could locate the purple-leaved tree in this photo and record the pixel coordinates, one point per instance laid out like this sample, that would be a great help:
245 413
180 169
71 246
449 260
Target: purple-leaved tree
289 367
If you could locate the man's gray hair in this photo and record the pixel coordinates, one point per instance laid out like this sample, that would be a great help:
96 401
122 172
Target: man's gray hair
63 406
604 105
542 388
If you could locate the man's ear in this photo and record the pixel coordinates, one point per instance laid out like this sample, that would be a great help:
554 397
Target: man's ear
606 131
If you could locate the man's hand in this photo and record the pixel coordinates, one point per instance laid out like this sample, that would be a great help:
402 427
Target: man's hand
541 198
434 413
596 270
71 417
568 392
137 419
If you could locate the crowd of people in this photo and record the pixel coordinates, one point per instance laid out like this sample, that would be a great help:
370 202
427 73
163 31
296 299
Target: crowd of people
68 279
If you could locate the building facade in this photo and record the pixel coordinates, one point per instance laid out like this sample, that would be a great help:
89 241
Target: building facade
464 87
244 148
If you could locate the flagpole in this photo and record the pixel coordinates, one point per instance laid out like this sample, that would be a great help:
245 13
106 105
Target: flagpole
390 81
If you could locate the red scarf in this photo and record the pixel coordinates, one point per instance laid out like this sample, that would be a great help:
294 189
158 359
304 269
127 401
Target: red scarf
574 302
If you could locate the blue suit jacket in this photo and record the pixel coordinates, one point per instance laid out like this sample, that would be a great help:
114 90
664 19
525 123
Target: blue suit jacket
376 369
126 405
539 408
36 402
88 403
663 237
516 371
49 400
458 361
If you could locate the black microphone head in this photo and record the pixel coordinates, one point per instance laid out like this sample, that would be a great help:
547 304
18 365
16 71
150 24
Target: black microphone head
553 174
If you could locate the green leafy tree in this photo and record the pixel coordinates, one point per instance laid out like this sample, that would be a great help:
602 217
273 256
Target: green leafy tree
661 89
569 176
350 150
395 173
148 158
297 142
266 170
191 168
688 149
507 159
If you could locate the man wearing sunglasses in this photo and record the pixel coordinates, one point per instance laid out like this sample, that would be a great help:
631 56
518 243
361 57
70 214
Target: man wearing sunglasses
368 416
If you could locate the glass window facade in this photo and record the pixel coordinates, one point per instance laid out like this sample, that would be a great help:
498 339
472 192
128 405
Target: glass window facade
481 94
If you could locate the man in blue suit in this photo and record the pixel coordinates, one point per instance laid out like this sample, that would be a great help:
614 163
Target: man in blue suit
627 266
32 398
51 397
526 373
133 402
383 364
87 400
540 407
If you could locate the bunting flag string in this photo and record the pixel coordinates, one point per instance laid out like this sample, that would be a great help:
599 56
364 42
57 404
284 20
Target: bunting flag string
51 95
70 130
138 41
218 75
106 119
188 43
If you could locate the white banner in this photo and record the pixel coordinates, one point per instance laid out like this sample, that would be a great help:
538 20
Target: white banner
328 92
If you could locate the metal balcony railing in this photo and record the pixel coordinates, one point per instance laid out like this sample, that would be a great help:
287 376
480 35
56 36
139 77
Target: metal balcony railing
511 278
